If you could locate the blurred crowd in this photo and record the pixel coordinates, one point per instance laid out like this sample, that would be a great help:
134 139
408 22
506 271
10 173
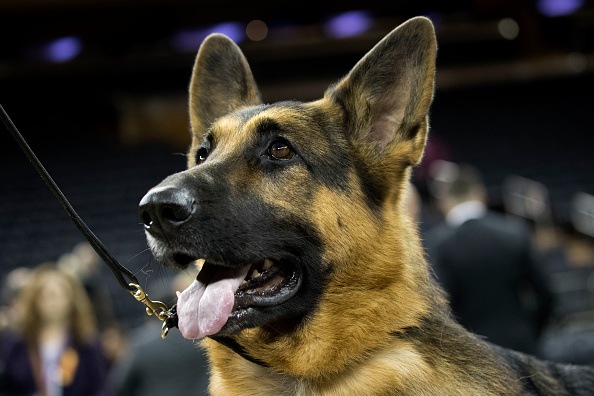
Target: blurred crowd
514 274
59 336
508 275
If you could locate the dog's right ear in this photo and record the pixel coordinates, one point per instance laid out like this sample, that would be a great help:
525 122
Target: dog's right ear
222 82
388 92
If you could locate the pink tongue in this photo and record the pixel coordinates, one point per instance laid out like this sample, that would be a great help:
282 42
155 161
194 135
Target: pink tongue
203 308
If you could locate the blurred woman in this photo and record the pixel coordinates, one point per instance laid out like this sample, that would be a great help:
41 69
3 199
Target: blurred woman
54 350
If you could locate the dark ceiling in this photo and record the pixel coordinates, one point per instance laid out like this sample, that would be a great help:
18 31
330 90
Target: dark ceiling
128 42
78 57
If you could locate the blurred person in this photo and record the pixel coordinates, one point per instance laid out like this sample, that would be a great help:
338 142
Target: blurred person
13 283
85 264
54 350
162 367
486 263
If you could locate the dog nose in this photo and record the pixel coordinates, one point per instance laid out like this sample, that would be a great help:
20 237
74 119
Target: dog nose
165 208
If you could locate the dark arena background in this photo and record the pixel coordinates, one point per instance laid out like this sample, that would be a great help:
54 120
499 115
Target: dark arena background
99 90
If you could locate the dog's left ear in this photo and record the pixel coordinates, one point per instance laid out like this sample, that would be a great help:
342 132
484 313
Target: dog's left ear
222 82
388 93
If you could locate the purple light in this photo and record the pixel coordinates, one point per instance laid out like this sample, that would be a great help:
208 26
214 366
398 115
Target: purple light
348 24
555 8
190 40
234 30
63 49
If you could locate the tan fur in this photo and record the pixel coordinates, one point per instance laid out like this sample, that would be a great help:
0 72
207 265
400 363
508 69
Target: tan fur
380 327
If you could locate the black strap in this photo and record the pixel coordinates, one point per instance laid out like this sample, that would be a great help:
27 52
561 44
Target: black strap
238 349
118 270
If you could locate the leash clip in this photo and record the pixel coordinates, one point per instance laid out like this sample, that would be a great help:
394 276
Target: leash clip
157 308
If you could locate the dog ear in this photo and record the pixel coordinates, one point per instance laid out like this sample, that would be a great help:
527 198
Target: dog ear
388 92
222 82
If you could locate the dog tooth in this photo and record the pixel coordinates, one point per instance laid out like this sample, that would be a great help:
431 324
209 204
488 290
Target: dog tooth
244 282
255 274
267 264
199 263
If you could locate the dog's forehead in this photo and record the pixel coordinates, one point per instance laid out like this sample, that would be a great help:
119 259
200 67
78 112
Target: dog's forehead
315 130
292 119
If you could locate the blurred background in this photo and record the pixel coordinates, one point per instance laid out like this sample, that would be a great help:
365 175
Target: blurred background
99 89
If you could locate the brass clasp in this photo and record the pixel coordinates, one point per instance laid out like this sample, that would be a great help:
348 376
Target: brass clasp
157 308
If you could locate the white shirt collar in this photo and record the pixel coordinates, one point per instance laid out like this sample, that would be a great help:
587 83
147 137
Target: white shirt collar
465 211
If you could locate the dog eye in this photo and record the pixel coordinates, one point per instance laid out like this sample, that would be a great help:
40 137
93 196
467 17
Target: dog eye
201 155
281 150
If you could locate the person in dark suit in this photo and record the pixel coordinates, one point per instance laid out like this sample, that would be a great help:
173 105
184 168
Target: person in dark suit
486 263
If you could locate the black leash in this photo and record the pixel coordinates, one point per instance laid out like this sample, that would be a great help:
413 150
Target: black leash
157 308
124 277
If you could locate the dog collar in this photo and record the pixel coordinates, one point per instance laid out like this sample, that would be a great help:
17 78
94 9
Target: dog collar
238 349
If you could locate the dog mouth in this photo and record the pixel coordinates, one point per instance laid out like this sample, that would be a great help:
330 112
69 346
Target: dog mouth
224 297
267 283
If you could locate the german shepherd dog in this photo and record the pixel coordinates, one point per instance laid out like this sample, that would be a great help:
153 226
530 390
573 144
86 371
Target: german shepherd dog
313 278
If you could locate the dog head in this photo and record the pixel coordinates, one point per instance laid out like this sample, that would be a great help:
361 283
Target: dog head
295 208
